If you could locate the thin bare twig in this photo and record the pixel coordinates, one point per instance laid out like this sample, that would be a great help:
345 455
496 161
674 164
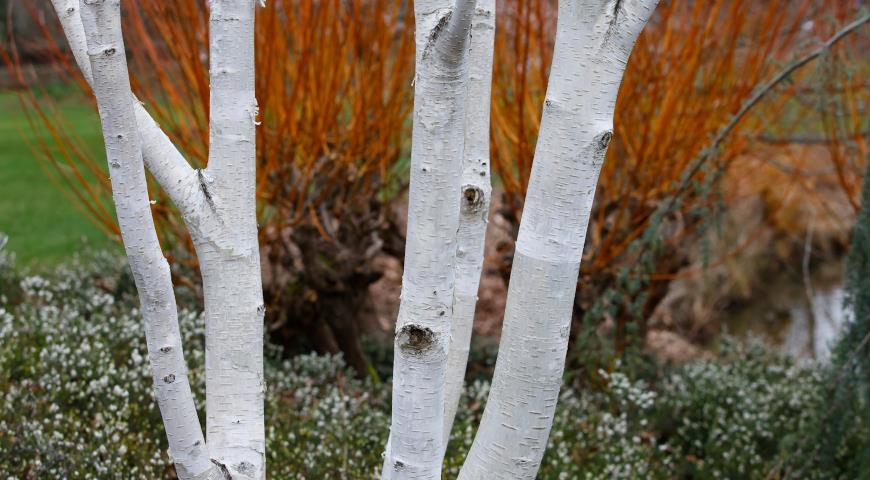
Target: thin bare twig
759 94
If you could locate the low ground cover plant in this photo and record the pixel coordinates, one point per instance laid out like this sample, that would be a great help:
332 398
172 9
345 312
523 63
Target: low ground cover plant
77 402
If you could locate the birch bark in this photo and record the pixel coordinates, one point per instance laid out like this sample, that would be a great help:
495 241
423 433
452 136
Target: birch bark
228 251
414 449
163 160
218 206
474 208
101 30
593 42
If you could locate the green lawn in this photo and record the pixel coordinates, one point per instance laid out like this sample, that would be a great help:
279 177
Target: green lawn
43 224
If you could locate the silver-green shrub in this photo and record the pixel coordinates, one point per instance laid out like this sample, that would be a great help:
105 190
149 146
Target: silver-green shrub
77 403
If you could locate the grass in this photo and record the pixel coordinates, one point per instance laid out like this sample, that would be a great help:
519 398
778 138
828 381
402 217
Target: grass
44 225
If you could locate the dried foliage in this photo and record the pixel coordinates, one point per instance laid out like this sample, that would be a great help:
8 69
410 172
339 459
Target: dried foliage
333 82
334 86
809 162
693 68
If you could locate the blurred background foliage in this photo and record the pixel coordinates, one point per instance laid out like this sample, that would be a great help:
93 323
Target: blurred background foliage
667 191
683 227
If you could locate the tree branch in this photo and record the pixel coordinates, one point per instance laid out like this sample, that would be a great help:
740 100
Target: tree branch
164 161
101 32
759 94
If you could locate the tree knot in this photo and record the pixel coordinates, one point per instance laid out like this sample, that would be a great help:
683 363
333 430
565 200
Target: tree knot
415 340
603 139
472 198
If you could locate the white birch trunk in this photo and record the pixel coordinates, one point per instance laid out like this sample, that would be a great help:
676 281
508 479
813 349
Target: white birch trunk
474 209
218 206
101 29
414 450
228 251
593 42
163 160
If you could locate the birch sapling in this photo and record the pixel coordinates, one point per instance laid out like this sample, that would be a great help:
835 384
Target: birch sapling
101 30
414 449
474 209
593 41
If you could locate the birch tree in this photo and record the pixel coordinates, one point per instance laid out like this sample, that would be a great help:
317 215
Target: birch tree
414 449
111 86
218 207
448 202
474 205
593 41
